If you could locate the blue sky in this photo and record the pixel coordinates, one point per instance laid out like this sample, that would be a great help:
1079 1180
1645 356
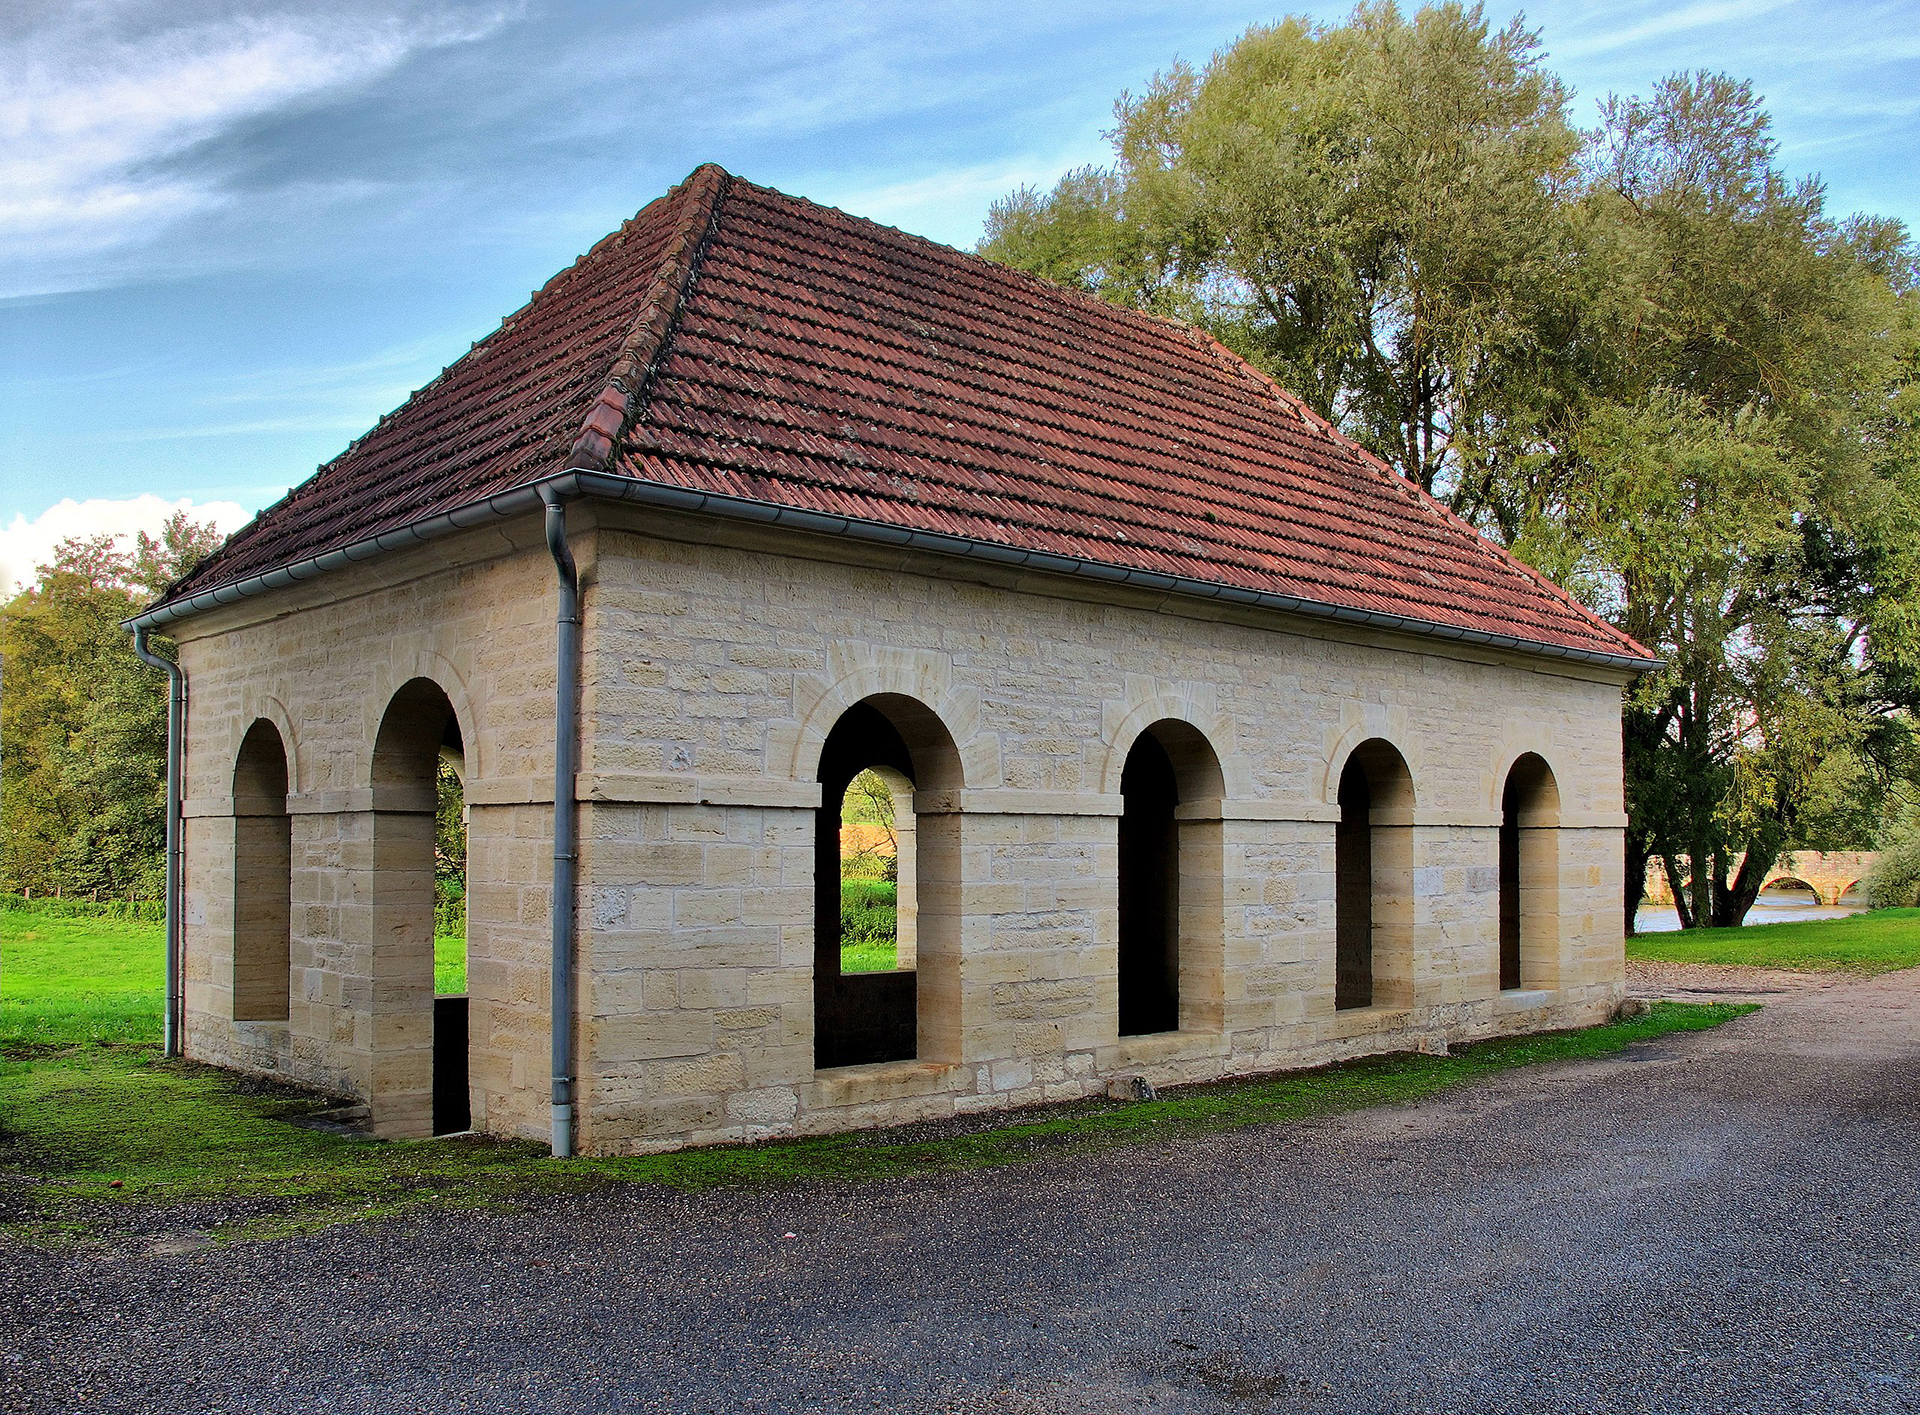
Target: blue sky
232 235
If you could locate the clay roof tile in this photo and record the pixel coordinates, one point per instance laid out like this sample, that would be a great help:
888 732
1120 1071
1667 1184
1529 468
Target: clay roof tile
732 340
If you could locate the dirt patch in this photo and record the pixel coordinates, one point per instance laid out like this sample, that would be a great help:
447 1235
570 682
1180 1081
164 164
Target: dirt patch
1722 982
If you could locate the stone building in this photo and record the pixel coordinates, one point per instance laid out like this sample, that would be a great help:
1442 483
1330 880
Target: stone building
1220 747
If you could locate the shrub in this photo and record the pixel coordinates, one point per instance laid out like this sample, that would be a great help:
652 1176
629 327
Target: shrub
141 911
449 908
1895 881
868 912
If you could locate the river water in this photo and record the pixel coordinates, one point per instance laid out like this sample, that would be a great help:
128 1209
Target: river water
1780 907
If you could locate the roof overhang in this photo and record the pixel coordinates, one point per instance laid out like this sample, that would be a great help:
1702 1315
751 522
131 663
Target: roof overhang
528 498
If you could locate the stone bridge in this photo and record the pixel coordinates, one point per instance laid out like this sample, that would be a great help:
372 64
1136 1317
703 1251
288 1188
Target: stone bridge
1828 873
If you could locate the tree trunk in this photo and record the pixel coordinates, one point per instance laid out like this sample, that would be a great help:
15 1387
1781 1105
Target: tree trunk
1730 909
1679 893
1701 861
1637 857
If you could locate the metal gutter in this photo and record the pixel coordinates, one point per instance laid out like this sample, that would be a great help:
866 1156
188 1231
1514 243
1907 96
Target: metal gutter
522 500
673 498
174 1018
566 849
529 498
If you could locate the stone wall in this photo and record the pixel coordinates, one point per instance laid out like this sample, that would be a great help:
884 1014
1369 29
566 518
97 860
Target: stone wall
322 662
715 673
715 665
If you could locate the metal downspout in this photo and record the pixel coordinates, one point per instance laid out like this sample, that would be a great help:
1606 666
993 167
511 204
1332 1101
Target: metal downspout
566 764
173 1025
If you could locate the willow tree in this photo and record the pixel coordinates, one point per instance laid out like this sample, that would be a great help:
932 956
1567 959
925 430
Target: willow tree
1367 211
1640 356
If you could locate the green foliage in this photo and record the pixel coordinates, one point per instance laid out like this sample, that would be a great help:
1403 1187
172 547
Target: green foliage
1365 210
450 832
869 922
1878 941
450 908
83 722
1640 356
212 1139
1895 882
144 911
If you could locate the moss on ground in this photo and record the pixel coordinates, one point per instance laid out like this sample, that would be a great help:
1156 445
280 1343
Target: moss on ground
1878 941
114 1135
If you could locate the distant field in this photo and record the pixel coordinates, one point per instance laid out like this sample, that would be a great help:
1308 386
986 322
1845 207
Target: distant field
67 979
1879 941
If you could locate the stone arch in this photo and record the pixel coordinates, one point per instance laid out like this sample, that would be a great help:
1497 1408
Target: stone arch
404 668
1206 726
1373 878
257 706
1842 896
1773 884
1373 729
1170 886
1529 875
262 905
907 1013
920 678
1517 750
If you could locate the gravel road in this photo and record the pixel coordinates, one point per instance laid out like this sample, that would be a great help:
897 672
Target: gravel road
1714 1222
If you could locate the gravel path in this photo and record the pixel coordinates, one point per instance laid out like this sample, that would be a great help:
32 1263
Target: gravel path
1722 1221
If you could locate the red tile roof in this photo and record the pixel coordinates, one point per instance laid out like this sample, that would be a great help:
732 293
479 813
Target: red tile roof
735 341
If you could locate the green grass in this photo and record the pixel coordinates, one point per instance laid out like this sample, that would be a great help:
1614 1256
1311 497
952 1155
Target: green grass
174 1134
81 1108
1878 941
449 964
67 979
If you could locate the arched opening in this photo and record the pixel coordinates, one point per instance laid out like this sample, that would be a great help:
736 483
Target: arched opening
1529 875
1373 880
1169 886
420 1061
893 748
1788 890
262 878
1854 894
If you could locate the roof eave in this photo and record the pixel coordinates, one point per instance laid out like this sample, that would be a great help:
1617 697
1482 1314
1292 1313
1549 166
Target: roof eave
581 482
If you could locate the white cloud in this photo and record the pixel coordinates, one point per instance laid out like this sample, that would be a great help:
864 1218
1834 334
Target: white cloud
1667 20
27 544
97 99
948 205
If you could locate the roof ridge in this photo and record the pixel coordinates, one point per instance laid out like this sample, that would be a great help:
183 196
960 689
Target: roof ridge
703 192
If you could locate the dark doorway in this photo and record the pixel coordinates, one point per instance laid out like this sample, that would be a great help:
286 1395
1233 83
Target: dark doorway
452 1101
1149 892
858 1018
1509 889
425 1066
1353 891
1529 893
